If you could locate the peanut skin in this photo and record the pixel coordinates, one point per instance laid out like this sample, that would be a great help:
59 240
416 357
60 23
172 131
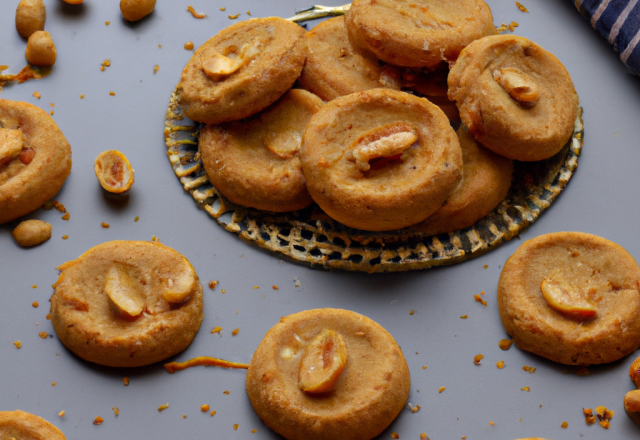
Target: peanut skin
32 232
30 17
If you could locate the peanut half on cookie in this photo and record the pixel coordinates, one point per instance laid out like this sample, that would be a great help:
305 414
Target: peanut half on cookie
572 298
127 304
328 374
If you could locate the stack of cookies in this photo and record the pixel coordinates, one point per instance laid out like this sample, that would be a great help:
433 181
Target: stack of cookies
367 136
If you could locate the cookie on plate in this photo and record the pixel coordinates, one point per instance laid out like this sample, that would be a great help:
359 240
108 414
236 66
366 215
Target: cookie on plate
328 373
35 159
127 303
380 160
21 425
421 33
515 98
336 68
255 162
573 298
242 70
486 179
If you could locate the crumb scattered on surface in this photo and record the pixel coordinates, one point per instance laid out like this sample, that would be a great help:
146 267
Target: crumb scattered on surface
235 332
125 380
256 287
61 413
233 17
604 415
34 286
43 335
423 436
188 45
412 312
107 23
589 418
35 304
53 384
98 420
274 287
235 427
67 216
116 411
479 299
441 389
491 423
248 12
424 367
204 408
64 237
81 96
463 317
254 430
564 425
156 68
486 266
136 219
194 13
505 344
51 112
18 344
216 330
163 407
105 225
529 369
223 9
415 409
395 435
213 413
477 358
223 291
112 93
36 95
500 364
522 8
184 416
527 389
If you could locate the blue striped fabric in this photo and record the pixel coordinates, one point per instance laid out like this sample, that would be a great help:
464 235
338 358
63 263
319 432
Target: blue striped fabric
619 22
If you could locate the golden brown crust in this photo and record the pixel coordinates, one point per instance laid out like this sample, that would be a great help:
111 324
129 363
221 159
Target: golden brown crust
335 68
88 323
422 33
279 48
396 193
370 393
518 130
241 165
603 269
21 425
24 188
485 183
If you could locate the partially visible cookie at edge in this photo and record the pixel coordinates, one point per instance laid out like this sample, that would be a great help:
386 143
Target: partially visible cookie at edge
21 425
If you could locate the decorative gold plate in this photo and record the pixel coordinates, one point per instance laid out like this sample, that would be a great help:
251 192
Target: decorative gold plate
310 236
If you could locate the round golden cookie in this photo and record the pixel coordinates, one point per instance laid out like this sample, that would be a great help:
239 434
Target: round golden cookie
485 183
127 304
572 298
255 162
335 68
35 159
20 425
421 33
380 160
361 397
515 98
242 70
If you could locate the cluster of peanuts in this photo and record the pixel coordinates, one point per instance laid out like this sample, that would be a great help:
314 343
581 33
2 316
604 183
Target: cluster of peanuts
32 14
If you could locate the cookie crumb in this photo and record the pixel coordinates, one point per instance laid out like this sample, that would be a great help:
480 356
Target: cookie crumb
235 427
204 408
415 409
423 436
213 284
505 344
500 364
522 8
188 45
18 344
480 300
564 425
48 316
53 384
213 413
274 287
477 358
125 380
441 389
184 416
235 332
156 68
233 17
81 96
463 317
589 418
98 420
136 219
105 225
491 423
529 369
527 389
116 411
34 286
194 13
411 312
35 304
486 266
254 430
223 291
424 367
61 413
163 407
394 435
256 287
67 216
107 23
43 335
604 415
226 392
223 9
112 93
36 95
216 330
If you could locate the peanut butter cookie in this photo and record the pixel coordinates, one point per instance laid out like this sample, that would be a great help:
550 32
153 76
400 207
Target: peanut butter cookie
572 297
380 160
242 70
35 159
328 374
127 304
20 425
515 98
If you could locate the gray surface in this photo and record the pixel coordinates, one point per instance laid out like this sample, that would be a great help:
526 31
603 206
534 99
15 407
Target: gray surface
600 199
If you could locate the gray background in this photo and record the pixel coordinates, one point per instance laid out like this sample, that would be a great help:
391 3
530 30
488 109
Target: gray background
600 199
